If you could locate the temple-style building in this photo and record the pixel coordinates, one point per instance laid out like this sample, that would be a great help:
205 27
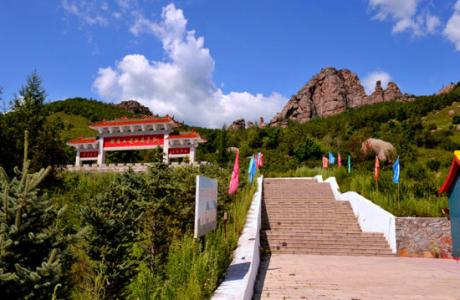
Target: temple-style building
136 134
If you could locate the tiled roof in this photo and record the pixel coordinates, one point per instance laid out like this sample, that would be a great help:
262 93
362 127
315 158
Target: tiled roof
83 140
125 121
187 135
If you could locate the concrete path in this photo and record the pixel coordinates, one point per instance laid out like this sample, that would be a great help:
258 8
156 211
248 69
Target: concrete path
286 276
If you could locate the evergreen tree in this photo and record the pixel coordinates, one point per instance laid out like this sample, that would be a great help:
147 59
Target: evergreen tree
31 244
114 220
31 96
27 113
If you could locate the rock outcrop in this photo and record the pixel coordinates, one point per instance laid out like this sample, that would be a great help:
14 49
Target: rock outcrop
238 124
385 151
446 89
331 92
135 107
261 123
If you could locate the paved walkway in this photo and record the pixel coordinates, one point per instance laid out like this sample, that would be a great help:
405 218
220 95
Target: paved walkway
286 276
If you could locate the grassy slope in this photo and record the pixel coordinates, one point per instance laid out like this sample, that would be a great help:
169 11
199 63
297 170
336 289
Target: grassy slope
75 126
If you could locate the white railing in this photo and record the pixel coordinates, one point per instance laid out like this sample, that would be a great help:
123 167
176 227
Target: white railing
242 272
371 217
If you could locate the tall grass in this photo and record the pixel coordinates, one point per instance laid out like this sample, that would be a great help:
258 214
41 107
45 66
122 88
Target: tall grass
196 266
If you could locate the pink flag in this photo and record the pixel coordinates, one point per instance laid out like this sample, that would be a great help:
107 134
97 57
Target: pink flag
325 162
339 160
260 160
235 180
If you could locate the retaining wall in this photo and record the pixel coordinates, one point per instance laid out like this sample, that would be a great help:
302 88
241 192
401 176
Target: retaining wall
424 237
241 274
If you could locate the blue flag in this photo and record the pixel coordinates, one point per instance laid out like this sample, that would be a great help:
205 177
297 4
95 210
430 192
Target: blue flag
396 171
252 169
331 158
349 164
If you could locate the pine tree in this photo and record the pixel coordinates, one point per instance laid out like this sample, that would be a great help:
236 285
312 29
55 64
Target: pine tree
31 244
113 220
31 96
28 113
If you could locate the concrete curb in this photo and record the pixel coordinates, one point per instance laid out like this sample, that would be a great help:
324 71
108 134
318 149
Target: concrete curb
242 272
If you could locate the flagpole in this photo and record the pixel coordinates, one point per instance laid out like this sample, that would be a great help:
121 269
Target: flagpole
399 200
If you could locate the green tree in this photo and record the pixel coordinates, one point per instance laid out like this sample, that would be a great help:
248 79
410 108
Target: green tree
32 246
27 113
309 149
31 96
113 219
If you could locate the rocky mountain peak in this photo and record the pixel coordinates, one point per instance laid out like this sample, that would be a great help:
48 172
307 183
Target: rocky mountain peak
135 107
330 92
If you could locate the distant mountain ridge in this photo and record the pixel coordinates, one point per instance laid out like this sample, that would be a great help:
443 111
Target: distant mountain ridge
330 92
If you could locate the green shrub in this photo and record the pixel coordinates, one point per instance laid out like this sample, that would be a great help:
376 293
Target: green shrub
433 164
309 149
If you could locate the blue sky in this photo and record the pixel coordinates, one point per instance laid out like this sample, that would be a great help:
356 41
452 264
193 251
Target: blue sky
209 62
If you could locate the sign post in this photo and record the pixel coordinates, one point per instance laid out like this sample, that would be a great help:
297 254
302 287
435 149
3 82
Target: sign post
205 205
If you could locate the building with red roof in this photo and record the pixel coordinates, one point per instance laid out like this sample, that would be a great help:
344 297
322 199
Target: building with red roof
144 133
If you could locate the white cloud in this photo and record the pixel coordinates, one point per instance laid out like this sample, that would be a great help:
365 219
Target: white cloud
407 15
87 11
181 85
370 80
452 29
102 12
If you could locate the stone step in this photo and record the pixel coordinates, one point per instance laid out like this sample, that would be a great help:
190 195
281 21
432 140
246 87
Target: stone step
312 223
323 246
334 252
339 234
311 216
315 230
302 217
331 243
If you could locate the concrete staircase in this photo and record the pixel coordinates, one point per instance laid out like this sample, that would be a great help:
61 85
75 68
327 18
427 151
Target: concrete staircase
301 216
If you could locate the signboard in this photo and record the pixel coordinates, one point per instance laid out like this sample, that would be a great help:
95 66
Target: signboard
176 151
88 154
205 205
130 141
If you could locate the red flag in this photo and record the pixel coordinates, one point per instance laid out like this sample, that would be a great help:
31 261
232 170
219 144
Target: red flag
235 180
339 160
260 160
377 169
325 162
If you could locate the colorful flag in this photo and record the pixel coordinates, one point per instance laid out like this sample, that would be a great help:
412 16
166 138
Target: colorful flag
377 169
349 164
396 171
331 158
325 162
260 160
252 169
234 181
339 160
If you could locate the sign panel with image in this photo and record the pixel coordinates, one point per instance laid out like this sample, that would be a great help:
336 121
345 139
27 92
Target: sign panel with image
205 205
